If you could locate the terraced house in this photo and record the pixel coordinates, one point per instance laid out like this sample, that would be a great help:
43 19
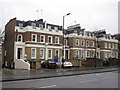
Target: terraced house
27 43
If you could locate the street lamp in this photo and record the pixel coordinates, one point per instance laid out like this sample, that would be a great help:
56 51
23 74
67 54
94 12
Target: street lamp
63 35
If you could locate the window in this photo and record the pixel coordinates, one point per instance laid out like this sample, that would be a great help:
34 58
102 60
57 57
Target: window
115 46
77 53
112 45
93 54
49 27
42 38
105 44
56 52
41 53
65 42
87 43
34 37
33 24
33 53
88 54
49 39
19 38
77 42
41 25
82 54
82 42
20 25
57 40
50 53
56 28
92 43
109 45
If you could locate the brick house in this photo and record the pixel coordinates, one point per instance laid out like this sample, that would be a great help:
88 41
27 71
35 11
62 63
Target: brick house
27 43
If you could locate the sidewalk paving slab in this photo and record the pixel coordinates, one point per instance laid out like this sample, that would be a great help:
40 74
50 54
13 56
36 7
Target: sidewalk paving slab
15 74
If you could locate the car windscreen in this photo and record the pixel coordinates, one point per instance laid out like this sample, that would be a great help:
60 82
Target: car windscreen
51 62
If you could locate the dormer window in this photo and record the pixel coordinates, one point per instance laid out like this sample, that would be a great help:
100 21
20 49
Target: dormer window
20 25
41 25
49 27
56 28
19 38
33 24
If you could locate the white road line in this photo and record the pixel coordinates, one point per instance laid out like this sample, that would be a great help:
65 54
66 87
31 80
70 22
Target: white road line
48 86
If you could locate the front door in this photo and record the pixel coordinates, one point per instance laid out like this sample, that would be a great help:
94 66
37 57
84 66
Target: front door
19 53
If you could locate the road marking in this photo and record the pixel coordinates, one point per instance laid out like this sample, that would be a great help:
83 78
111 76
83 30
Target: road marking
48 86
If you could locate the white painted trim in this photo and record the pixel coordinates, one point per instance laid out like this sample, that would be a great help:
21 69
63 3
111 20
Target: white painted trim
106 50
38 30
43 46
51 40
51 54
21 38
58 40
82 49
77 40
43 38
35 37
31 53
58 52
43 53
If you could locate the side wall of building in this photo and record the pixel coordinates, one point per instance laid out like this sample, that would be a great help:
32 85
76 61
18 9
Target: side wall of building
9 42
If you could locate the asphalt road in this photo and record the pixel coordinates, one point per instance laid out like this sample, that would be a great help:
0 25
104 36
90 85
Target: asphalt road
95 80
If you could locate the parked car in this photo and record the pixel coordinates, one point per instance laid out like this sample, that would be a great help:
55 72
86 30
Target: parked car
48 64
66 64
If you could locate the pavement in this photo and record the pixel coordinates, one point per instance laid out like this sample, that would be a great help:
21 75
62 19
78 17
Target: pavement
17 74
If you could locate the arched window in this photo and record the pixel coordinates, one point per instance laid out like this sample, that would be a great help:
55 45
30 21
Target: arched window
19 38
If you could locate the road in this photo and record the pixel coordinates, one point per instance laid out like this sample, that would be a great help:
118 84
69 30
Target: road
95 80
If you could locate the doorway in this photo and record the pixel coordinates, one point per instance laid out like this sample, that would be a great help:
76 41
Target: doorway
19 53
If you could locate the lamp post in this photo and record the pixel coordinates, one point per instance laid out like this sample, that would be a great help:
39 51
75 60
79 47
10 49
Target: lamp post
63 53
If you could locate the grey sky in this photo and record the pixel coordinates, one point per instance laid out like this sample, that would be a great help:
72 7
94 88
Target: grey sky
90 14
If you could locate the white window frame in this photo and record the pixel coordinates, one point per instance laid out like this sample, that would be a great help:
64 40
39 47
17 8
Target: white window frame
105 44
43 38
51 54
83 43
51 39
77 42
18 37
35 38
57 38
87 53
43 54
32 53
92 43
88 44
58 52
77 53
93 54
113 45
109 45
82 54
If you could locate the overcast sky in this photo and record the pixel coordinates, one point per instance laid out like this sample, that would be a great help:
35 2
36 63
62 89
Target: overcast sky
90 14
